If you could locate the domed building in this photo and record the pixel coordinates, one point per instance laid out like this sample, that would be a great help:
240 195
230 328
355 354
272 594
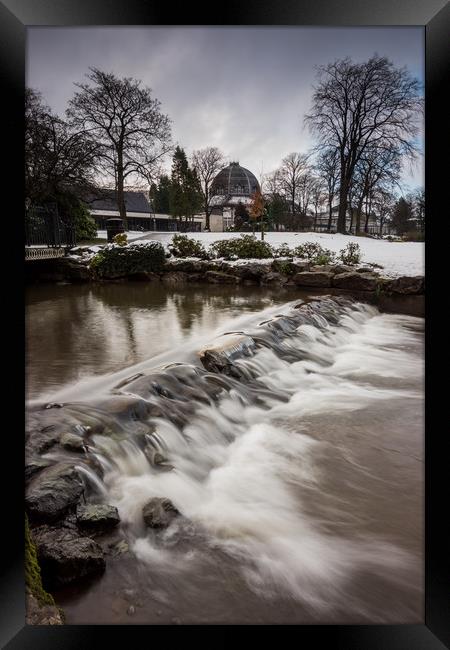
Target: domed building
232 185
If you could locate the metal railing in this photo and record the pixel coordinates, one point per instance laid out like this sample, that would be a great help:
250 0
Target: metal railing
44 227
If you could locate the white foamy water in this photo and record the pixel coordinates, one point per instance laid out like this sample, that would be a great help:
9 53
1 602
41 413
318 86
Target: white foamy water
292 492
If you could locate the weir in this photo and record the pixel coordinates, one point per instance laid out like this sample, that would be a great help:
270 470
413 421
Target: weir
273 442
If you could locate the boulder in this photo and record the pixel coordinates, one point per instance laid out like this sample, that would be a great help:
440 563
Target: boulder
159 513
341 268
174 277
313 279
217 277
406 285
274 278
355 281
33 466
53 492
65 556
73 442
97 517
219 355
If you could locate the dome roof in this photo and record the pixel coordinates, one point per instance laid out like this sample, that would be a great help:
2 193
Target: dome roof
234 180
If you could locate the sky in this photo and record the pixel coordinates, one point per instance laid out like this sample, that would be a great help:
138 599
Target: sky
245 90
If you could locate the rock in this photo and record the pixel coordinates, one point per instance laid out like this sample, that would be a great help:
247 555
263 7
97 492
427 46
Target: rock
53 492
274 278
131 610
174 277
313 279
144 276
159 513
65 556
33 466
120 547
406 285
217 277
322 268
364 269
341 268
73 442
97 517
41 614
74 270
219 355
355 281
249 271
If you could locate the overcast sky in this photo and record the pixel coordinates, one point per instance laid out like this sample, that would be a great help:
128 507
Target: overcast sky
244 90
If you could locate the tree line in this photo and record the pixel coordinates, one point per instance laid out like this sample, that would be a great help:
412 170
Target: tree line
364 116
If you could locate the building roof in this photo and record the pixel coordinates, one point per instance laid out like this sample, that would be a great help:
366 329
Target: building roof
105 201
234 180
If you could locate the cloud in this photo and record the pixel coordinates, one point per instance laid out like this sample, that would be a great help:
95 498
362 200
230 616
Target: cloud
245 89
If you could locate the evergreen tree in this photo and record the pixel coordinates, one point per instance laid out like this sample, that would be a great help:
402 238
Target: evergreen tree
185 197
160 195
402 217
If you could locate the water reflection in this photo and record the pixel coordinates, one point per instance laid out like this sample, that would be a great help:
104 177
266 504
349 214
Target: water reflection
75 331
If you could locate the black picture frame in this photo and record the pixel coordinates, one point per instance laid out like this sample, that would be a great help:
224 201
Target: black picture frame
15 17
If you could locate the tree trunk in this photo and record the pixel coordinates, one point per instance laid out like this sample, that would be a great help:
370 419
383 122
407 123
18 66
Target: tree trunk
330 214
120 195
358 216
343 193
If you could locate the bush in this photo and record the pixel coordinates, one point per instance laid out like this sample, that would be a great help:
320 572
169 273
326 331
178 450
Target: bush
284 266
244 247
283 250
120 239
309 250
325 257
184 246
351 254
115 261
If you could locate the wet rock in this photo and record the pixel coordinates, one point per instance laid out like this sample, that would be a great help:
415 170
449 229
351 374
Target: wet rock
53 492
274 278
219 355
159 513
144 276
365 269
97 518
174 277
33 466
120 547
217 277
313 279
355 281
66 557
73 442
41 614
74 270
406 285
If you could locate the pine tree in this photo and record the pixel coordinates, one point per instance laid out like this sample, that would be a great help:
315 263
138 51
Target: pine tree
402 217
185 197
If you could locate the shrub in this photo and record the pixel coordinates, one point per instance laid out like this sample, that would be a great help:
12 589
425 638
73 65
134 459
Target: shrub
325 257
284 266
115 261
184 246
120 239
244 247
351 254
283 250
414 235
309 250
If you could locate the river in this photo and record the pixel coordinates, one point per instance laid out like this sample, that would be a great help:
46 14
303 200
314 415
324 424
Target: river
300 482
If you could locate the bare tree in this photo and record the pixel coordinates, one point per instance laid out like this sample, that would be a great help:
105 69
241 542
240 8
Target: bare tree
207 162
359 104
378 168
289 176
328 168
57 159
318 195
131 132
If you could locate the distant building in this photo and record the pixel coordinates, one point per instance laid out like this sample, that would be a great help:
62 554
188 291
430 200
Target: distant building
140 215
232 185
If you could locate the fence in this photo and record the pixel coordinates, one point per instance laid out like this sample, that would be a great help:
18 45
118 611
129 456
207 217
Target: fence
44 227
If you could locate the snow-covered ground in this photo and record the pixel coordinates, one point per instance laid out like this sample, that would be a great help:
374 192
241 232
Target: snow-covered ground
130 235
396 258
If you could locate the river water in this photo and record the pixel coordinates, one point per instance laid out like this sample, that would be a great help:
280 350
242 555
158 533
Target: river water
300 480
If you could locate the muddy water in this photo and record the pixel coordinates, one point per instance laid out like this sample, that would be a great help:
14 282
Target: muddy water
300 484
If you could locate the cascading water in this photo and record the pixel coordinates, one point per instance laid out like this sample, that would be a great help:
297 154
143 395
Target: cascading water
295 459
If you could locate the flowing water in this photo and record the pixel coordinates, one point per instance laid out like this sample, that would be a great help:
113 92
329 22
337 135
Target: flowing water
298 473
